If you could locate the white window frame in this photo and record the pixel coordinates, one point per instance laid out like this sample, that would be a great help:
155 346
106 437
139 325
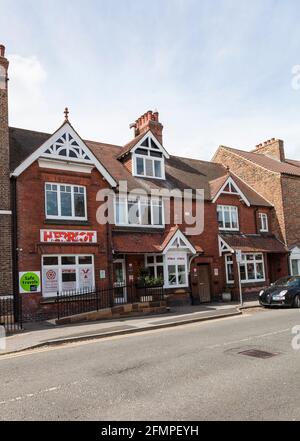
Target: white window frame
166 271
153 202
149 149
60 267
155 264
230 209
254 261
59 216
264 222
227 263
152 159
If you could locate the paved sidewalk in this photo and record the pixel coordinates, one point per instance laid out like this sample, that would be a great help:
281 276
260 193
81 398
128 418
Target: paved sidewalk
47 333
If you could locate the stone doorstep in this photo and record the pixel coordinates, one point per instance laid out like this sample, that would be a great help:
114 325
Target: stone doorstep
130 310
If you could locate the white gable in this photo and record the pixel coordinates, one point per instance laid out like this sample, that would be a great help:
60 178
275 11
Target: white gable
230 187
179 241
224 247
65 145
149 141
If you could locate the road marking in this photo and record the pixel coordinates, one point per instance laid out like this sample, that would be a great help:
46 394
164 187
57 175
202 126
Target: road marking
229 343
41 392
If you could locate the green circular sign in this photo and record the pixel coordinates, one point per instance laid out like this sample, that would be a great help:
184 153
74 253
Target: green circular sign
30 282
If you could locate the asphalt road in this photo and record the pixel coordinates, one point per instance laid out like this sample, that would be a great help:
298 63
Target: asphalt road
193 372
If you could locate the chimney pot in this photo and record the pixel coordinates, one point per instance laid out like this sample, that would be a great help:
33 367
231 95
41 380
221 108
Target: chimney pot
2 50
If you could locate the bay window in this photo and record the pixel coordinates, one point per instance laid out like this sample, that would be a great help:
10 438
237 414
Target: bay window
139 211
65 201
176 269
228 217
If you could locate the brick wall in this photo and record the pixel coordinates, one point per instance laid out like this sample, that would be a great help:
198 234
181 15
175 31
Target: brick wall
290 194
267 183
31 216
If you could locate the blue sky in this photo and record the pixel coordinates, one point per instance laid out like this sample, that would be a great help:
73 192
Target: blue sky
218 71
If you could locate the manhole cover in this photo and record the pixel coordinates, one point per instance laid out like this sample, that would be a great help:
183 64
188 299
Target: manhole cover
258 353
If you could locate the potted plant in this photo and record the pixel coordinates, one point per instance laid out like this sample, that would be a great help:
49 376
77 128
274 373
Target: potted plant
226 295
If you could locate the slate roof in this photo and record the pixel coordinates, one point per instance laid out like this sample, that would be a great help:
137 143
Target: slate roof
289 167
181 173
139 243
254 243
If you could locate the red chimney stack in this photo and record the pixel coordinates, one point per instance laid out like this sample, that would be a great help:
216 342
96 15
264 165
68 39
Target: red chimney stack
149 120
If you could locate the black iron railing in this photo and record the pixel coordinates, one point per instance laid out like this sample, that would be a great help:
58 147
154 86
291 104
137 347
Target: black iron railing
93 299
11 313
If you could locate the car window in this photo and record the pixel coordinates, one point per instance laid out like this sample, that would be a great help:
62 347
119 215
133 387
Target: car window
288 281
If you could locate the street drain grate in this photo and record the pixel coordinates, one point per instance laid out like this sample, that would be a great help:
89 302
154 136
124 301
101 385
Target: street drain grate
258 353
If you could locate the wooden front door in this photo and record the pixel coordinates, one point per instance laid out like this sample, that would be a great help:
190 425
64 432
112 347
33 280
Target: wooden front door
203 273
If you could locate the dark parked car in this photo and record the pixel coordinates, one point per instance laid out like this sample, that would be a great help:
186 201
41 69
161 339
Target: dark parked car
284 292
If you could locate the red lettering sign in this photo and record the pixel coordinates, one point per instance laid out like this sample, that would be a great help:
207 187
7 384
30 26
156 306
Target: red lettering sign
68 236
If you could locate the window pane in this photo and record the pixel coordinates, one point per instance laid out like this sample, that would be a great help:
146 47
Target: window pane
157 169
69 276
142 152
172 274
159 259
150 259
234 218
68 260
153 144
227 218
259 271
149 167
156 154
133 212
151 270
121 207
145 213
79 205
220 218
243 272
181 275
66 203
50 260
52 205
295 267
160 271
85 260
251 272
140 166
230 275
157 213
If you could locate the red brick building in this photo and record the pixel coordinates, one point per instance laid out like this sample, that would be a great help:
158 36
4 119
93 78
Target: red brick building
59 236
277 179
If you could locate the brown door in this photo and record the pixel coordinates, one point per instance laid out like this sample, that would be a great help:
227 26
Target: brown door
203 283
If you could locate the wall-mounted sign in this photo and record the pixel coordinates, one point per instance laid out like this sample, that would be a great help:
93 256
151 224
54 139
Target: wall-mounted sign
30 281
216 272
102 274
68 236
50 280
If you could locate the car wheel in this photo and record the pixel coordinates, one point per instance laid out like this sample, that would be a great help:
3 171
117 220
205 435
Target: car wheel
297 301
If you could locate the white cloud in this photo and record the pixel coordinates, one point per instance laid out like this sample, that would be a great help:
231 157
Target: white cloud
26 96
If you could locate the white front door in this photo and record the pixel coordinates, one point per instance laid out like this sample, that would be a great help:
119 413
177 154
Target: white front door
120 293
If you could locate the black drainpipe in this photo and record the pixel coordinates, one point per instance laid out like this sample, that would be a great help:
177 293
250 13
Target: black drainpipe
15 260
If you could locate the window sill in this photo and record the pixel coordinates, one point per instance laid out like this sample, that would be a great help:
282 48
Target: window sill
66 222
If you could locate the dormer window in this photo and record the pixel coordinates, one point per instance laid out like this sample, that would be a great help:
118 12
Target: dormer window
148 158
263 222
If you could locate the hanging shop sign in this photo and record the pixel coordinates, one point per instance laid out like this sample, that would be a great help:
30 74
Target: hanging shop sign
30 281
68 236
